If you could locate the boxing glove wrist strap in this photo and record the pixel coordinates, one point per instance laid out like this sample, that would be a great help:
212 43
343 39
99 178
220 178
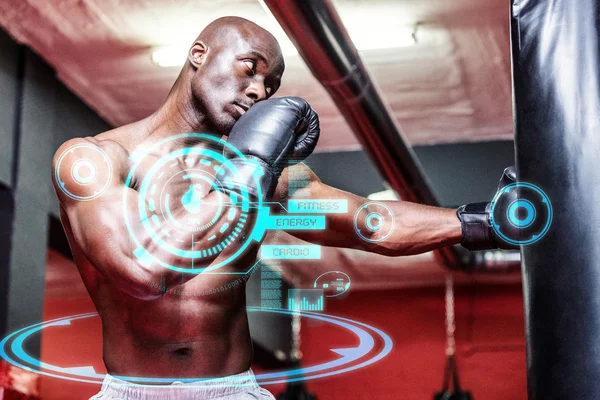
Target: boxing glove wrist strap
252 174
476 230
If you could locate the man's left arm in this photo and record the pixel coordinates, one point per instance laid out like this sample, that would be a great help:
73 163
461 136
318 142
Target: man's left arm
416 229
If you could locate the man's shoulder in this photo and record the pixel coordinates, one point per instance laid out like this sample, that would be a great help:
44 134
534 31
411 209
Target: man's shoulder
91 146
115 142
83 168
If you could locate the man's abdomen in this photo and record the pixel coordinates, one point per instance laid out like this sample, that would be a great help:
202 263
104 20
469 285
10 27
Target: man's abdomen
190 332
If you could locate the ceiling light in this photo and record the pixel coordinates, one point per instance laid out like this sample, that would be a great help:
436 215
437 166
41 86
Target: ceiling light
384 37
175 55
368 32
369 29
169 56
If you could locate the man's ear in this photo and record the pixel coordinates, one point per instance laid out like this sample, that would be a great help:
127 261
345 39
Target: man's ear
197 53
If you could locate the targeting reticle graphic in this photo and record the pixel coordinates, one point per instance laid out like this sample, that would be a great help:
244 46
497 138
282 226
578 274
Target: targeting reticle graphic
199 168
373 345
376 218
529 216
89 164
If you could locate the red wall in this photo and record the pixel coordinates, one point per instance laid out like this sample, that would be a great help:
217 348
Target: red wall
490 341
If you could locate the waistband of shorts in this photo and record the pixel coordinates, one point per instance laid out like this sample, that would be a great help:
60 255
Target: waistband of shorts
193 389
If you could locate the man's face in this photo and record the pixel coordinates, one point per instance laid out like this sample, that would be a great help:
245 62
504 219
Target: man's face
232 78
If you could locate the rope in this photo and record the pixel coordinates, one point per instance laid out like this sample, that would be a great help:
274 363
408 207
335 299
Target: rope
450 324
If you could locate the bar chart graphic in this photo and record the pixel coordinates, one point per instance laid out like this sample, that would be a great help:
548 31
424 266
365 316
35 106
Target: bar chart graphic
305 299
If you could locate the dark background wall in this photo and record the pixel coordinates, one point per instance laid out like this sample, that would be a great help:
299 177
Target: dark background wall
459 173
37 114
10 83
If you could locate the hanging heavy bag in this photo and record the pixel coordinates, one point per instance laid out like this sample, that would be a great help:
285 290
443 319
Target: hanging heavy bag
452 394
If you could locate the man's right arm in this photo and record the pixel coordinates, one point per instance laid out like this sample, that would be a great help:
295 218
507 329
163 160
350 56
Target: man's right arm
96 223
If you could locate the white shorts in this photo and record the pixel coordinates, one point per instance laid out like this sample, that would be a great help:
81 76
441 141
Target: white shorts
235 387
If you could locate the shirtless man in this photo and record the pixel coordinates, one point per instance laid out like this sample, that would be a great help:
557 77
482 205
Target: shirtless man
148 332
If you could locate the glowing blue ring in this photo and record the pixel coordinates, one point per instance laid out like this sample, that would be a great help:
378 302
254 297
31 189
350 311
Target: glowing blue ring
75 173
365 206
61 183
370 218
84 374
534 238
244 199
511 213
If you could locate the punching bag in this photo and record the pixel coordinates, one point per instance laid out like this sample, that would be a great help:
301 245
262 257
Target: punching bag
556 93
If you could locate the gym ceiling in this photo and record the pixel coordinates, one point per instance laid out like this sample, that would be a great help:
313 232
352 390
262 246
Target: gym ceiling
452 85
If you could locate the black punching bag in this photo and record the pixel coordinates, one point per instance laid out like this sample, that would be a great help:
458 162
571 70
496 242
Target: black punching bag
556 72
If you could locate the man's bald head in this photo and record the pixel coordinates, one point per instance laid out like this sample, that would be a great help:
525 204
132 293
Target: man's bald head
222 30
234 63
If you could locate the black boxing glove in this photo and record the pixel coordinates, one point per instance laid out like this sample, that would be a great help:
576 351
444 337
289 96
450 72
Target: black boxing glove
477 230
269 134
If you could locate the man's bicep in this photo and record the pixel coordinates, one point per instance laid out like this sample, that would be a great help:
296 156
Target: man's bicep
98 223
99 230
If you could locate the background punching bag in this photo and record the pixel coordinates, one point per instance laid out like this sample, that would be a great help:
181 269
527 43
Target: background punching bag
557 126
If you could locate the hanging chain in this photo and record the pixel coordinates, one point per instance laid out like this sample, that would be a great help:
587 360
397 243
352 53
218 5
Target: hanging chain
296 353
450 325
296 341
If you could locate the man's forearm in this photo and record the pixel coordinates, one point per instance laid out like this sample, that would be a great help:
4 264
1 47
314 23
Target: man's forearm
416 229
392 228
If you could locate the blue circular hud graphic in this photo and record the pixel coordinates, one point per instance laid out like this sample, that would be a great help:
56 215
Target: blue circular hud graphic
196 168
522 219
373 346
374 222
87 162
